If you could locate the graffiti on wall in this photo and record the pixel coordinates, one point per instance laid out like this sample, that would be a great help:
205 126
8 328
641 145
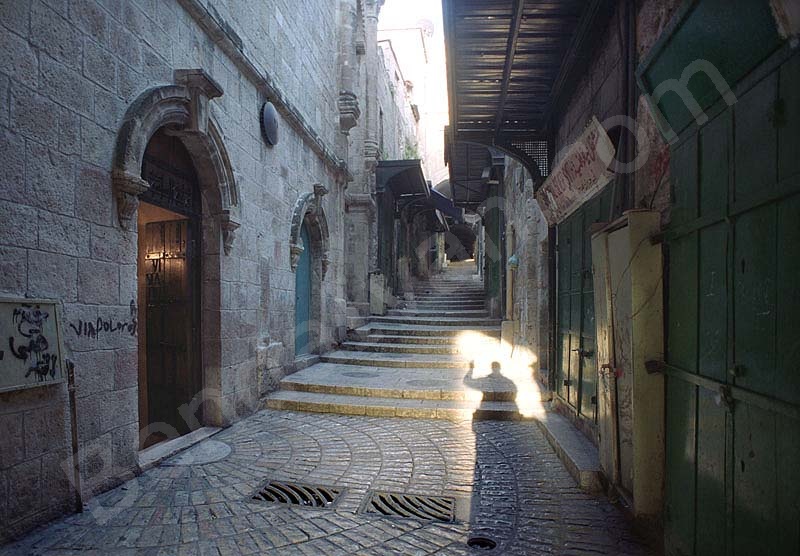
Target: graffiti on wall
30 352
96 328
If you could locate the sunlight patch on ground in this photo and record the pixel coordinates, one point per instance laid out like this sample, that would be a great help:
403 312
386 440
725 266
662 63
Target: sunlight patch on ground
491 357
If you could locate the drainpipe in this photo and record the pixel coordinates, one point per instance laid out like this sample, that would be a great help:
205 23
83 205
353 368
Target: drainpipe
627 201
624 191
631 101
73 414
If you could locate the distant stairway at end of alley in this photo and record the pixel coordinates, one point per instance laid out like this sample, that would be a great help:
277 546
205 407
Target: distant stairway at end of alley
414 362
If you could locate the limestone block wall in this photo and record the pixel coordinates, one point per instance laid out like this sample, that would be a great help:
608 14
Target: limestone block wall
69 73
526 236
398 127
386 120
600 92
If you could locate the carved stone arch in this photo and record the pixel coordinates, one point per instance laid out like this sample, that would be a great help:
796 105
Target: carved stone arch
309 209
183 110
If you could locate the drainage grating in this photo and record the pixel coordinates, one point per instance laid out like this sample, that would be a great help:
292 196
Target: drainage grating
297 495
435 508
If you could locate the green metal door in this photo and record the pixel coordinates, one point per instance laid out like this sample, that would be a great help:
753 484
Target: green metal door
302 299
576 368
733 328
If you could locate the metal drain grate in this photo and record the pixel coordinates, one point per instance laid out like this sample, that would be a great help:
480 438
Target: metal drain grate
435 508
297 495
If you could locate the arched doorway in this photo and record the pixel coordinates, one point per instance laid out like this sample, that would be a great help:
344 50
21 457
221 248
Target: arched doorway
303 296
180 114
308 248
169 219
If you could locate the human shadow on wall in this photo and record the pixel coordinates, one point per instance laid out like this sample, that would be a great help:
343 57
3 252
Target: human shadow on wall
495 387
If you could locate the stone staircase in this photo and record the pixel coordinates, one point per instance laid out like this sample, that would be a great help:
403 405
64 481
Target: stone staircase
413 362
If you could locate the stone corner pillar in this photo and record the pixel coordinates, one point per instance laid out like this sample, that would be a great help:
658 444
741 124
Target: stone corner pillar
377 294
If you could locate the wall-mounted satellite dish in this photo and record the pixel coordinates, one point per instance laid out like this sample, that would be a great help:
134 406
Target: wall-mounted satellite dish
269 123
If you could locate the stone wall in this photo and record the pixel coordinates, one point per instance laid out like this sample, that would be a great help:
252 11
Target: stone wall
71 72
526 237
600 92
399 140
386 128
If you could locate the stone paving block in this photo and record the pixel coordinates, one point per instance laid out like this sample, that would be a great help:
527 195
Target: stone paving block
524 497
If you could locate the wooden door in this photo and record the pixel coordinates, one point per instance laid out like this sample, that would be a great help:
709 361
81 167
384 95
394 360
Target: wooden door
170 283
171 350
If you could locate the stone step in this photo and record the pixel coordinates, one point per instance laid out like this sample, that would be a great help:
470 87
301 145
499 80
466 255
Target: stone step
465 284
397 360
411 383
393 328
453 410
578 454
479 303
379 347
437 321
446 299
446 313
408 339
448 292
416 307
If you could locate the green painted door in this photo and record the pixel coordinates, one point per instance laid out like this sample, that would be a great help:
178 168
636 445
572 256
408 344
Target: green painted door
576 367
302 298
733 328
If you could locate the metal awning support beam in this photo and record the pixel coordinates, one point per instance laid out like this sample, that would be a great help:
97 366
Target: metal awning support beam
468 188
511 48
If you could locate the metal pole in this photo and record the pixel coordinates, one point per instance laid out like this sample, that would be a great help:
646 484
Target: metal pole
73 413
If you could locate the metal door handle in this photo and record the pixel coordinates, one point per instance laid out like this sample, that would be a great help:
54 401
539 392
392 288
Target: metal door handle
584 352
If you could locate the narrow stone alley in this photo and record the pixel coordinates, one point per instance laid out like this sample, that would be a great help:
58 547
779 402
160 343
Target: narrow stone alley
493 470
372 277
411 362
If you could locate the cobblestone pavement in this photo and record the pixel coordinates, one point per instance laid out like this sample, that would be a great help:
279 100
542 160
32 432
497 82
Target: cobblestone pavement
513 488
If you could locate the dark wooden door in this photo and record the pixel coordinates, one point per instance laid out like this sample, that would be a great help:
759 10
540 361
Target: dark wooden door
171 333
170 257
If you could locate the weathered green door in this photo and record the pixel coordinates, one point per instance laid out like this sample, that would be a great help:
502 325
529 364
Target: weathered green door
576 368
733 327
302 298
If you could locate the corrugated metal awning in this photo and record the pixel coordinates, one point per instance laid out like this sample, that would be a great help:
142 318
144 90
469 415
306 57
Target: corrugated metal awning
446 206
509 62
404 178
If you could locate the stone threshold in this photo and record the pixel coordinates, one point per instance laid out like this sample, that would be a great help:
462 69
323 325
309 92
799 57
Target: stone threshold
152 456
305 361
576 452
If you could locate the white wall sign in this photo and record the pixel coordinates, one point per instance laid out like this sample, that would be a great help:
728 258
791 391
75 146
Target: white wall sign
580 175
30 344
